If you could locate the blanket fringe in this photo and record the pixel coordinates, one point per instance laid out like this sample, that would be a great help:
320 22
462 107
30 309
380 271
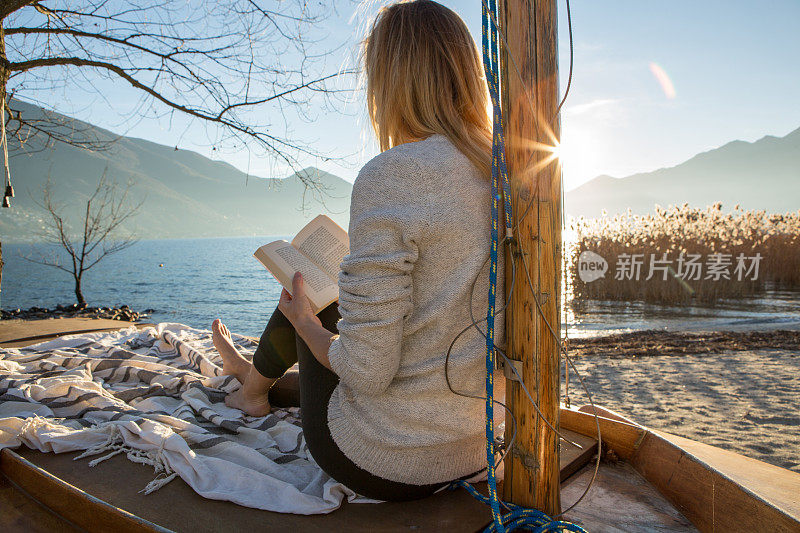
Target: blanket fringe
157 483
116 444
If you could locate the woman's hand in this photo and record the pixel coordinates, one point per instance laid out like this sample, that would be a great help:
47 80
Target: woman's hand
297 308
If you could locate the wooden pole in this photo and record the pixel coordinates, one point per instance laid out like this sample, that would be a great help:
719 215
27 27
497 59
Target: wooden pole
532 466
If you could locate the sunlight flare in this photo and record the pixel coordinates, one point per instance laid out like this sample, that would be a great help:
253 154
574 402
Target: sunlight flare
663 80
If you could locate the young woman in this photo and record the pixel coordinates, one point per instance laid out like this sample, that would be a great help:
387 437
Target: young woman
378 415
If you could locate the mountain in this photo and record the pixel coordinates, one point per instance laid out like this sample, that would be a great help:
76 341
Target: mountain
186 194
764 174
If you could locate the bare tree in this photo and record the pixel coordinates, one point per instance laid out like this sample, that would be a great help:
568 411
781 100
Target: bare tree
234 64
101 235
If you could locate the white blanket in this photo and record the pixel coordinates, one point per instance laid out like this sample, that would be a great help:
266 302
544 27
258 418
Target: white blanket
157 395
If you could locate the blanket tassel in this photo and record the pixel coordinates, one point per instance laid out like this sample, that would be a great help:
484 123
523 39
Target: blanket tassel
117 445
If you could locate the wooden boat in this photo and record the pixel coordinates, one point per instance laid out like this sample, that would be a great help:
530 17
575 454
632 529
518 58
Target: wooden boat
660 482
655 482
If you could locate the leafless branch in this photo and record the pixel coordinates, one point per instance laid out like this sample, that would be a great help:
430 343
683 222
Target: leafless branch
234 64
106 209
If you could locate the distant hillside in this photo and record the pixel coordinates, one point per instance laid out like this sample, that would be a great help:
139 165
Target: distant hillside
187 194
761 175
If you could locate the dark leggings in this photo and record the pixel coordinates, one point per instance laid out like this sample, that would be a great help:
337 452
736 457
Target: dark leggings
279 349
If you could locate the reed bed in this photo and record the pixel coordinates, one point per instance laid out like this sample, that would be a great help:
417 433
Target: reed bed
710 255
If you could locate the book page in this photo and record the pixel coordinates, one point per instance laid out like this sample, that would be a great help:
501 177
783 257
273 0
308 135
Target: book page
283 260
325 243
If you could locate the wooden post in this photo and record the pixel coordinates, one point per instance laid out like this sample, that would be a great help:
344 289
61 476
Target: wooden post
532 466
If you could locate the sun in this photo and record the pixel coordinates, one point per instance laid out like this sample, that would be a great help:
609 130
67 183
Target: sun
556 150
577 153
580 153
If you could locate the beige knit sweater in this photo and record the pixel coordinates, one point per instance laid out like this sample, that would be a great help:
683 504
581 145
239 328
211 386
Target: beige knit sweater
419 235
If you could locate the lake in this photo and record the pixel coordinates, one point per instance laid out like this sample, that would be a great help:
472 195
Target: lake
202 279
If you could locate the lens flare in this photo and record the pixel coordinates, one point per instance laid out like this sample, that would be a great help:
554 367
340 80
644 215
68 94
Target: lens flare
557 151
663 80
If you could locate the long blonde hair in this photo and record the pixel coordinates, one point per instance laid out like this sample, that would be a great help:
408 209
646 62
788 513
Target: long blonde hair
423 76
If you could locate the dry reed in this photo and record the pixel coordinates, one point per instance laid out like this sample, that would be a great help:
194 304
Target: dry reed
726 239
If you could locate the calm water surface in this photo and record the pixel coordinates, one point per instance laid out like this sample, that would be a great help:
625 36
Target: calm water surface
203 279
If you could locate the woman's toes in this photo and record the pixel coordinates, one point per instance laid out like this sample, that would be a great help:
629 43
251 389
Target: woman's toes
233 363
218 329
230 399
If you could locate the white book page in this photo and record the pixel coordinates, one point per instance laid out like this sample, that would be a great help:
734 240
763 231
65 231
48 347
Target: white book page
283 260
325 243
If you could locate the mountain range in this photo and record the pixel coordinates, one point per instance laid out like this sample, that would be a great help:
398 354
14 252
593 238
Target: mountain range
764 174
185 194
189 196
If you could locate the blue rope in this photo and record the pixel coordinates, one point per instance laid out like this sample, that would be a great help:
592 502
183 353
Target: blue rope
492 69
518 517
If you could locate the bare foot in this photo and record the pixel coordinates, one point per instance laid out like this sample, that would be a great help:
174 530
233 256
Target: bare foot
233 363
253 406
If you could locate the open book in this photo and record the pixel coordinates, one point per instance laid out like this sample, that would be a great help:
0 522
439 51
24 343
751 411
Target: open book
317 251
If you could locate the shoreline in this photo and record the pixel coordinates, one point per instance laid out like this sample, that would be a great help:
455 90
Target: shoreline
249 316
640 343
655 343
122 313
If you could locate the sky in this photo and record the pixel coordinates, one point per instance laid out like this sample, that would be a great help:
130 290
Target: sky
654 83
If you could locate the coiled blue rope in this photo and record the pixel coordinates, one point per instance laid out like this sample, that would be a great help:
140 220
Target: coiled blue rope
518 517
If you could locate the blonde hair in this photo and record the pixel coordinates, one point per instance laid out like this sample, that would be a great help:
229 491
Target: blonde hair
423 76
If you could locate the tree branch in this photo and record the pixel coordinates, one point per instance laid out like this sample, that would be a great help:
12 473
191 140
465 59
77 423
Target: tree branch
9 6
284 93
78 33
47 262
211 61
23 66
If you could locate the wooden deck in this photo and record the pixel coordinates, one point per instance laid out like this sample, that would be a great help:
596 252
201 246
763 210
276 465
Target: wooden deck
108 495
52 492
715 489
17 333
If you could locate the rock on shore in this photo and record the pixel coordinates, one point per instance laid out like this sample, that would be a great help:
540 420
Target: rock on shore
122 312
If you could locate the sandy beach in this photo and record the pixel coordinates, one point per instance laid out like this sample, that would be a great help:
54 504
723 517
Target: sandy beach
737 391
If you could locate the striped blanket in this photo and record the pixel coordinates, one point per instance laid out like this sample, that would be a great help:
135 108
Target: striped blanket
157 396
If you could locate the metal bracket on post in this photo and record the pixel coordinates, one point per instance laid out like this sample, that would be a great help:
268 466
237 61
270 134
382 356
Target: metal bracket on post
527 459
507 371
543 297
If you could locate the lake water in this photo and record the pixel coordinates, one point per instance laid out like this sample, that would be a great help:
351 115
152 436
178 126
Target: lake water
202 279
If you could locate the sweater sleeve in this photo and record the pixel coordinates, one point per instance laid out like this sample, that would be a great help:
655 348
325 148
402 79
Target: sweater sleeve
387 218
